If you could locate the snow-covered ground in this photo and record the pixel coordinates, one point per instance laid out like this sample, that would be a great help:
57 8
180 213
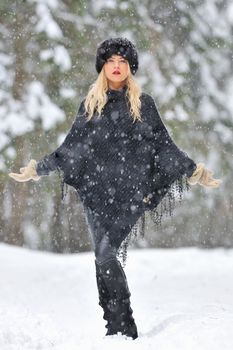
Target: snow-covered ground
182 299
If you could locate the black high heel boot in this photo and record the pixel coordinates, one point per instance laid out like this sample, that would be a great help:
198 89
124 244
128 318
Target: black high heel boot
114 298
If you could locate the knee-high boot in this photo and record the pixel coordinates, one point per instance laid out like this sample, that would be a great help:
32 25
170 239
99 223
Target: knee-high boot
114 298
102 289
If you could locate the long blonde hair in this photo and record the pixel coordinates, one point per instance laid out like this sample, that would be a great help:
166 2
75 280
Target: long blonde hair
97 98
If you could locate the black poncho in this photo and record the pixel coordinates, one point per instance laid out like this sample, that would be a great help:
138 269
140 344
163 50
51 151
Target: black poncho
115 163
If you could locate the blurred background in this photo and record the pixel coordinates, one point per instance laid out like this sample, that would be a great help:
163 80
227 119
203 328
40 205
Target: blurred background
47 63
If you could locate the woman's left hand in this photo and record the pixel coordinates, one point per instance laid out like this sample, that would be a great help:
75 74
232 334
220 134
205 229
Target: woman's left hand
203 177
27 173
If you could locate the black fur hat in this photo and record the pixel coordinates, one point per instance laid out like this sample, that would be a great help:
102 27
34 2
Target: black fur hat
117 46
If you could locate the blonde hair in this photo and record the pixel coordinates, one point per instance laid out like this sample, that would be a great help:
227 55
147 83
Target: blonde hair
97 98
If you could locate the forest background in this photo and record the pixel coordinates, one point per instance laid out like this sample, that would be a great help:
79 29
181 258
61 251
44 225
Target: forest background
47 63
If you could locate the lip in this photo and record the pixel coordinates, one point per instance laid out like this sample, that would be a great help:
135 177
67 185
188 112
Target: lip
116 72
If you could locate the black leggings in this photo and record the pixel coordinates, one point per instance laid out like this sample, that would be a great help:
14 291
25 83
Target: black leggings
107 240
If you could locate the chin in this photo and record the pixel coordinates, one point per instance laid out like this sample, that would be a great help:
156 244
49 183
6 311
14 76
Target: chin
117 79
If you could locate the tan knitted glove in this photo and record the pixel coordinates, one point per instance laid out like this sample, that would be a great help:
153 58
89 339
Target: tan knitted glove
27 173
203 177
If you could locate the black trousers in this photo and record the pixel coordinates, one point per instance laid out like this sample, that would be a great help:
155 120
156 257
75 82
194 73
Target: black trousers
106 239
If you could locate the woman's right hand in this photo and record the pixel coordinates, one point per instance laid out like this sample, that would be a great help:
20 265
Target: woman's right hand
27 173
203 177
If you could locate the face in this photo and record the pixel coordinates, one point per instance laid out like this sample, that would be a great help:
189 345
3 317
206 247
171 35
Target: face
116 70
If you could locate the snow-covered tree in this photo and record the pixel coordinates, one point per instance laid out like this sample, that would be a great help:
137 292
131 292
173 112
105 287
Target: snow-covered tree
47 56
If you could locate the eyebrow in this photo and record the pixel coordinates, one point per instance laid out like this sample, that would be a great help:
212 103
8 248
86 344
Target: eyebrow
110 58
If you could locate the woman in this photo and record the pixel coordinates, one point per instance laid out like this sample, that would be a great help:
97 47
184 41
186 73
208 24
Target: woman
121 160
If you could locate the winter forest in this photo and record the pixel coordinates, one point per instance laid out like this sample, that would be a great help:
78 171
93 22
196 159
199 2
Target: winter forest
47 64
181 298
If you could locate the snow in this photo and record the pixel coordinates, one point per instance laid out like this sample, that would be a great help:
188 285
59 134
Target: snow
38 104
60 56
224 131
99 4
230 13
182 299
67 92
19 118
46 22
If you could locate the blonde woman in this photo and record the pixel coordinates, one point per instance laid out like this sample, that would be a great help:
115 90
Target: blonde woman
121 160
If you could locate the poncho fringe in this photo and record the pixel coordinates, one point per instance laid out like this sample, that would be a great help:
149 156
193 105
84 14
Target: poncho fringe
165 208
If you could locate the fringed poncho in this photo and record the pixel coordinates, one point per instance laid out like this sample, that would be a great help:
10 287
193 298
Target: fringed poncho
122 169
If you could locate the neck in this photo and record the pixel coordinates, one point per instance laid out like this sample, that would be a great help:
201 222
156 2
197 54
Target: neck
116 85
